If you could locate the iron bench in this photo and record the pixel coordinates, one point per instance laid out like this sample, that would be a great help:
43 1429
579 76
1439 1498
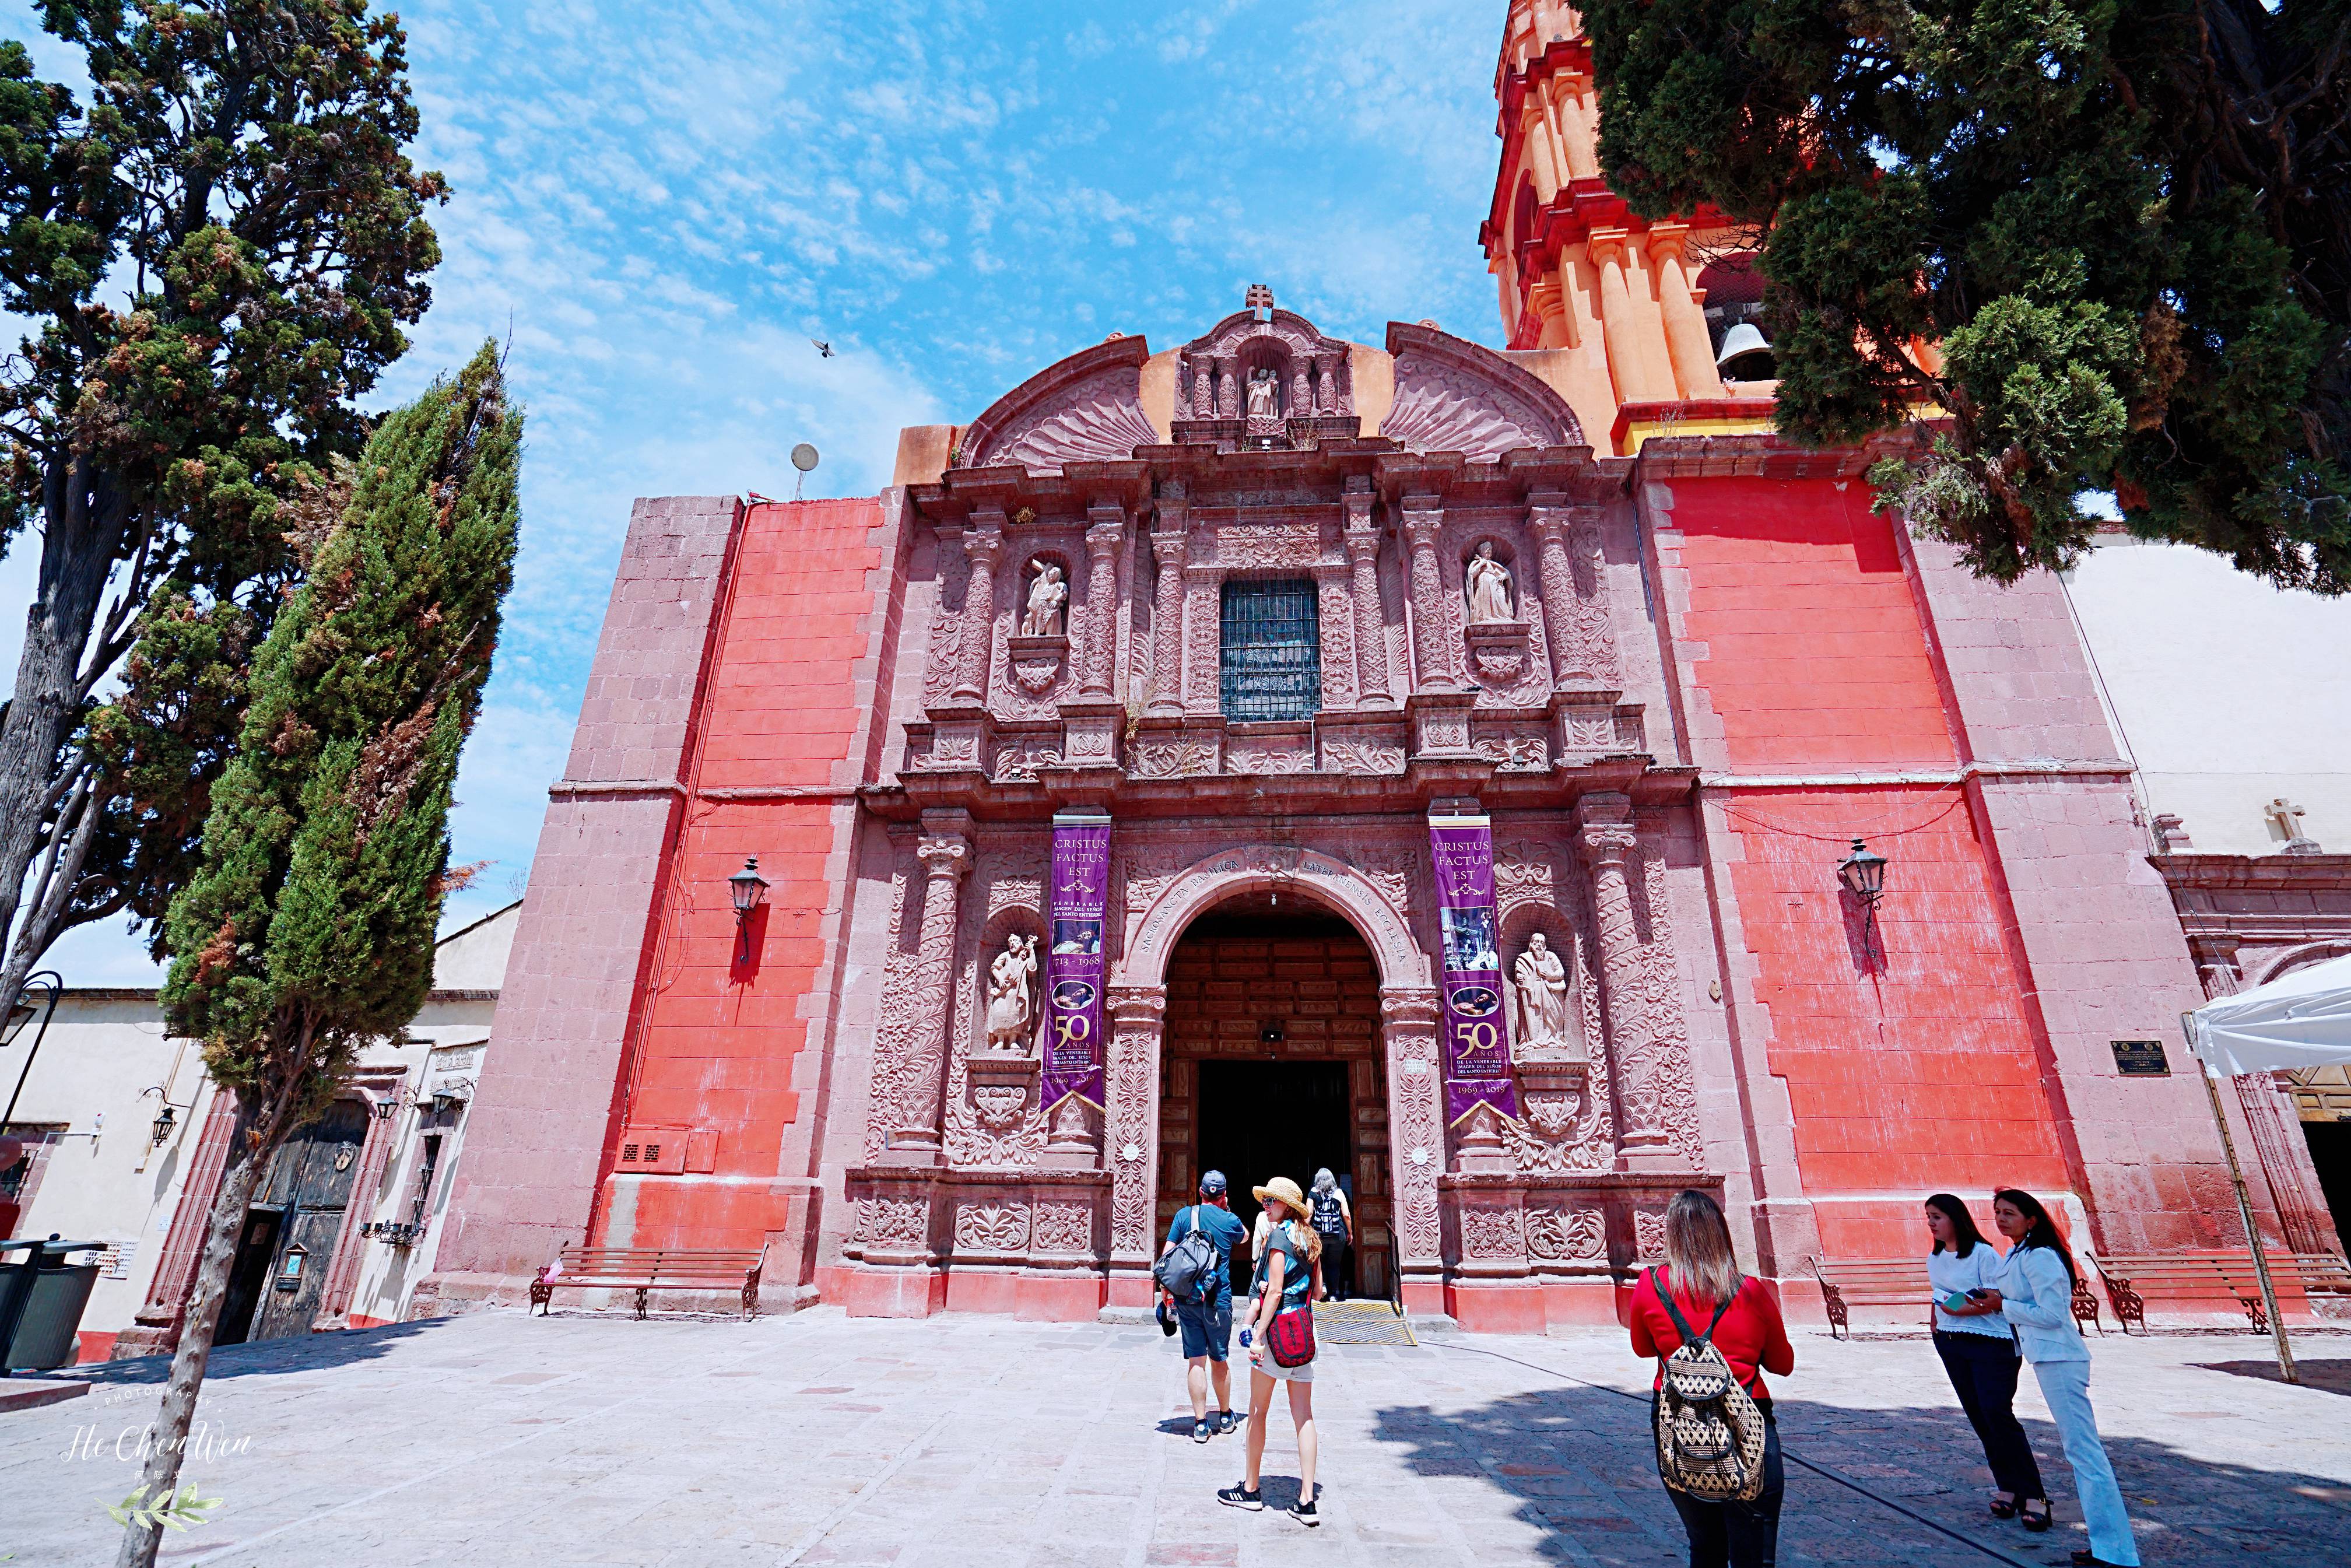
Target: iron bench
645 1270
2226 1275
1847 1282
1900 1282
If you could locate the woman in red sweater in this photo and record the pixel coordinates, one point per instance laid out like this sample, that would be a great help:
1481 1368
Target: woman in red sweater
1702 1273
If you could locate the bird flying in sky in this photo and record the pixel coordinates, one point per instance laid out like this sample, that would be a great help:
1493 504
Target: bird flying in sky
824 349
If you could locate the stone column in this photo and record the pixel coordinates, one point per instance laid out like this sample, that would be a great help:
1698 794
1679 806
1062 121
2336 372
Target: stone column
1371 633
1408 1020
1548 521
1608 837
1628 358
1103 541
1301 397
1326 383
2284 1158
1685 335
978 650
1229 387
1423 523
945 853
1201 389
1567 105
1136 1013
1168 625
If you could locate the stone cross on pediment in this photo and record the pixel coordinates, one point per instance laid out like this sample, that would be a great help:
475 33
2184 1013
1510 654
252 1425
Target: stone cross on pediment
1259 297
2288 817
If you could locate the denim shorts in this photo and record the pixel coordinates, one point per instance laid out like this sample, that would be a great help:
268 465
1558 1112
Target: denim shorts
1208 1328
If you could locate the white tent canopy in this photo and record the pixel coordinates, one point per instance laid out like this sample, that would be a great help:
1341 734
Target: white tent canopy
2299 1020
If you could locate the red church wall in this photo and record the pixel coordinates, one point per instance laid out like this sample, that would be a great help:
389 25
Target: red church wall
721 1056
1909 1064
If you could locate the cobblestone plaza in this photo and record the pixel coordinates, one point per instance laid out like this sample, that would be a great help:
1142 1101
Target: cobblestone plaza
982 1442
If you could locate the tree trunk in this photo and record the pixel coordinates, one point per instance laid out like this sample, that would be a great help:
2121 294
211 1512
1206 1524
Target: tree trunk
162 1473
78 545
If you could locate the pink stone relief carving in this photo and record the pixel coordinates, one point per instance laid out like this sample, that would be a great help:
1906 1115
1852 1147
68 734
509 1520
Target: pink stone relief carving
1453 396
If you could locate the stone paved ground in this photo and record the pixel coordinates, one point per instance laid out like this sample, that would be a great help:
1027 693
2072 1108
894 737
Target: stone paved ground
982 1443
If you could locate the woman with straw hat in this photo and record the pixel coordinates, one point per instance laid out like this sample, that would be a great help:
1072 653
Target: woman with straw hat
1285 1283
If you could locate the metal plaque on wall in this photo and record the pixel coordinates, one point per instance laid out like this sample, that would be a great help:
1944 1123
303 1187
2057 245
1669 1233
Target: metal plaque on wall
2140 1058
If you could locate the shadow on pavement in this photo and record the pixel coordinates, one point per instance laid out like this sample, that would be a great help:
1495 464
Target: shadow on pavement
1580 1462
2329 1377
264 1358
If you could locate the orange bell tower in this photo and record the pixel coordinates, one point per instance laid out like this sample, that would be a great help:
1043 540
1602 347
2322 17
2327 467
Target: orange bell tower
1646 328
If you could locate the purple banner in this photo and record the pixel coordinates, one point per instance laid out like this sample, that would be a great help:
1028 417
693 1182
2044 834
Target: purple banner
1075 961
1476 1045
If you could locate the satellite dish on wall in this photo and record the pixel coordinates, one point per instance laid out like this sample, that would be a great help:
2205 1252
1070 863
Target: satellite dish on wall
804 458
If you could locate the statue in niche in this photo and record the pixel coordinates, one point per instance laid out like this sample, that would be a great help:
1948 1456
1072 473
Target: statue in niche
1008 1011
1264 394
1540 978
1487 582
1046 596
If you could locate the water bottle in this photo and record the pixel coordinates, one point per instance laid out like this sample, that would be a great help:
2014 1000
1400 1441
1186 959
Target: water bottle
1246 1334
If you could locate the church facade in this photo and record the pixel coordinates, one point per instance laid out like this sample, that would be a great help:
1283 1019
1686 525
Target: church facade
1461 770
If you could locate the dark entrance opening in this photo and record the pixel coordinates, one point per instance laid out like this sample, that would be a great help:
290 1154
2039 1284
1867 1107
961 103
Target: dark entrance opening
1264 1119
248 1276
2330 1152
1271 1066
291 1231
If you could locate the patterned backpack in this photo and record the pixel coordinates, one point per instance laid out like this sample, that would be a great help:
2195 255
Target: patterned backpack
1709 1432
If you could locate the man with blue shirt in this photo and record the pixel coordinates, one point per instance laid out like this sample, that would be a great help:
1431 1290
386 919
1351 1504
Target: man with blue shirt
1208 1324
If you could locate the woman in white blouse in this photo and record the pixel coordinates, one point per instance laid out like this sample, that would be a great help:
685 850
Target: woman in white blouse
1978 1351
2036 1294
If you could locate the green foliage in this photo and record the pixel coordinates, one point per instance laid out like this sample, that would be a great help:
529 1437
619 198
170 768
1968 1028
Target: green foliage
166 1511
213 250
308 926
2123 221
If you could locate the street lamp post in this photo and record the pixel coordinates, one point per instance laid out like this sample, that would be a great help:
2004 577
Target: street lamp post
21 1010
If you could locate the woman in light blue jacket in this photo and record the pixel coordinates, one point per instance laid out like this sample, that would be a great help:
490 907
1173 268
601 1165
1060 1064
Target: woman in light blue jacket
2036 1294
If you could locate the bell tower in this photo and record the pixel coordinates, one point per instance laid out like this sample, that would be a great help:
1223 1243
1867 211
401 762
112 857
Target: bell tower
1633 320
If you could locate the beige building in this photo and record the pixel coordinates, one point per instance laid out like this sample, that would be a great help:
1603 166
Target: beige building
116 1126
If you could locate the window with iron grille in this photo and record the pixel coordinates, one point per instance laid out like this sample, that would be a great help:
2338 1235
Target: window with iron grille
1272 647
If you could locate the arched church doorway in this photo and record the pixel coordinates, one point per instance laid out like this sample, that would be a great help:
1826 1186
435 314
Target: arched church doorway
1271 1065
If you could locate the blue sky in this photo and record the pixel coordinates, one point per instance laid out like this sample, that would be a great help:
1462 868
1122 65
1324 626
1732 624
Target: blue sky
663 204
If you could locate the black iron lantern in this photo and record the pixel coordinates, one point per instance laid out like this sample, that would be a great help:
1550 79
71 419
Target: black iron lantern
1864 873
748 889
165 1120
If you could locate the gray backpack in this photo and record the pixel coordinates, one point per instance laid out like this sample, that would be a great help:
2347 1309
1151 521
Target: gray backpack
1188 1269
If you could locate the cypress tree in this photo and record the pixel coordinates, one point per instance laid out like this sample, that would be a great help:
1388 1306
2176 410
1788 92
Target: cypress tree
307 927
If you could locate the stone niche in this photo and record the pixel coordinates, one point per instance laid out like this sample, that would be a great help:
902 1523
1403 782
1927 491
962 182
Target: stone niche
1264 379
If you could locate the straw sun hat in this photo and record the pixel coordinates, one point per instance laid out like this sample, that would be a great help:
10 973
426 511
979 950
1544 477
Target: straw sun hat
1286 1191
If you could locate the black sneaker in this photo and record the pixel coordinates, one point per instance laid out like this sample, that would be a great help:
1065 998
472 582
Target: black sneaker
1227 1422
1202 1430
1303 1513
1241 1497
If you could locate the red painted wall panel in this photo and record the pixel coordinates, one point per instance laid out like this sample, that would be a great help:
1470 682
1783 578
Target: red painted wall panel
1911 1066
790 687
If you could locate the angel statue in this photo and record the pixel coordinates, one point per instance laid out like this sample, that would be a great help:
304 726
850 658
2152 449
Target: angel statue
1047 594
1488 583
1264 388
1007 994
1540 981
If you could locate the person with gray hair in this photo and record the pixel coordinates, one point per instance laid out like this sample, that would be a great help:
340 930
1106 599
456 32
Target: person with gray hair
1335 1223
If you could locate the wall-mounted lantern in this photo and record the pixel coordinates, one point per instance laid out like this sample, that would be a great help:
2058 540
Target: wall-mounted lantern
748 889
165 1120
1864 875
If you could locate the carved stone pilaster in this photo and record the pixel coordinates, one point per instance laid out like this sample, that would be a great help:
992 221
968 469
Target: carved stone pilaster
1167 626
945 850
977 635
1408 1018
1103 541
1136 1014
1229 387
1424 522
1363 540
1608 839
1326 383
1595 632
2277 1140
